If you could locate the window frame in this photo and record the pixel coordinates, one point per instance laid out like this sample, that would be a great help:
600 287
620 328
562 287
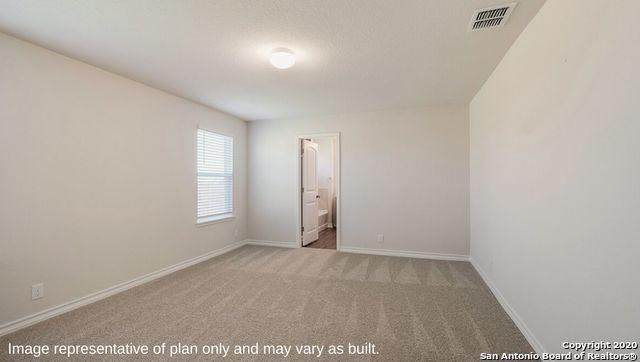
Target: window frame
216 218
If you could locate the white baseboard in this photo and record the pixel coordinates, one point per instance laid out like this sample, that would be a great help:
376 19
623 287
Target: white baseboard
94 297
322 227
406 254
279 244
515 317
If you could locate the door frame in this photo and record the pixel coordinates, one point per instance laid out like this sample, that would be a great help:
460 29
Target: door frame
337 181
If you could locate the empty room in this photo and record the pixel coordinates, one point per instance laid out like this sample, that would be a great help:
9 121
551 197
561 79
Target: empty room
392 180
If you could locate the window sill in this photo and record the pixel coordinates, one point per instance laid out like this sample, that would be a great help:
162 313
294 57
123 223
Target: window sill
214 219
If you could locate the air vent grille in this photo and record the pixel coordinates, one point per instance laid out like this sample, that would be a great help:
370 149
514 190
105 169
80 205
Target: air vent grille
492 17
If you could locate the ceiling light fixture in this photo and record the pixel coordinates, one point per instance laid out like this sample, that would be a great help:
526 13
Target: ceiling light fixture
282 58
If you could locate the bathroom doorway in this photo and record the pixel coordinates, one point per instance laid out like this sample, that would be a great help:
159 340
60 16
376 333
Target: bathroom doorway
318 191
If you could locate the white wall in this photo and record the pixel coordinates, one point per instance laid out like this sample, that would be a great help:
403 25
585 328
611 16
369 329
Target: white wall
403 173
97 179
325 162
325 177
555 173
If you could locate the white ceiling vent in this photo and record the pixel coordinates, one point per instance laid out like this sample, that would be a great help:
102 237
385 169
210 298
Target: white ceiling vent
493 17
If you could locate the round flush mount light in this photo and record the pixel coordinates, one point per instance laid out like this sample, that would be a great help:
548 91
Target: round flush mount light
282 58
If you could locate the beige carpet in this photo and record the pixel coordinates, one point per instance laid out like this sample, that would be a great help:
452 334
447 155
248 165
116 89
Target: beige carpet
411 309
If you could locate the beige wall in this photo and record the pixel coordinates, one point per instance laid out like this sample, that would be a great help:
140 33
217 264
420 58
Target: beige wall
97 179
555 173
404 174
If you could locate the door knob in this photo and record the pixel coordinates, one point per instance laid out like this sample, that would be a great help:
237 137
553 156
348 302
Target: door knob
317 196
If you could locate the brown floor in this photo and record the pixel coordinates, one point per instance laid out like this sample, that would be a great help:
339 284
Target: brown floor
326 240
411 309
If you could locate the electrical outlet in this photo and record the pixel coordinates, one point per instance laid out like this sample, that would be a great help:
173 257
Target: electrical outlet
235 233
380 238
37 291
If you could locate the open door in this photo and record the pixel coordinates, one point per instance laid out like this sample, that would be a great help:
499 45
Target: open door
309 192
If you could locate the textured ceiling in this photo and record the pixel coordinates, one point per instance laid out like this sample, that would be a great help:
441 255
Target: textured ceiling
353 55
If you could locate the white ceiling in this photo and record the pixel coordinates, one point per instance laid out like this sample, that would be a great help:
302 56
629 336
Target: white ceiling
353 55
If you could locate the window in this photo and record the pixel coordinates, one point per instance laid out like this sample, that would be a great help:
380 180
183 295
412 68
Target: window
215 176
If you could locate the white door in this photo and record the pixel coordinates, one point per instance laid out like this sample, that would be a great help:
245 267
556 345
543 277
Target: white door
309 192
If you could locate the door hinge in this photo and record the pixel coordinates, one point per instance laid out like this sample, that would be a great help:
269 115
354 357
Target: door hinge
303 229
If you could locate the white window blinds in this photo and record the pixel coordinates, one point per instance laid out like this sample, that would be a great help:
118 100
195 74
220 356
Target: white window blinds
215 176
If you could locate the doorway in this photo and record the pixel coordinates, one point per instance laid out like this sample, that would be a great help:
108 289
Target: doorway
318 192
